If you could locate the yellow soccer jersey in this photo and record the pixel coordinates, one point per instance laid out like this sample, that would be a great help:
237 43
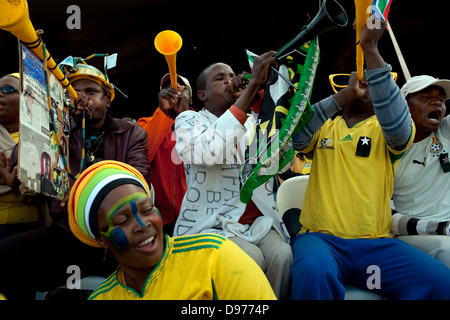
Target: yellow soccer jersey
195 267
351 180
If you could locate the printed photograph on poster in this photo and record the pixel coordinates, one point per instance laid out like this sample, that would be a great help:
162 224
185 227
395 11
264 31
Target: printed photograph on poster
30 158
43 131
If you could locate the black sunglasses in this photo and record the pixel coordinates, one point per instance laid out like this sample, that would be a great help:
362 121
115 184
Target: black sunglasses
8 89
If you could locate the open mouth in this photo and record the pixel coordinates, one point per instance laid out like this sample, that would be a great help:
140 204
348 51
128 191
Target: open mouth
435 115
434 118
146 243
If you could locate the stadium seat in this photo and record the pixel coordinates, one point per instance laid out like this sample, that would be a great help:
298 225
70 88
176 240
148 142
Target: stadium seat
289 203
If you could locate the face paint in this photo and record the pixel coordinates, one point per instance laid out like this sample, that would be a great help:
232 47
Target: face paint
134 209
116 235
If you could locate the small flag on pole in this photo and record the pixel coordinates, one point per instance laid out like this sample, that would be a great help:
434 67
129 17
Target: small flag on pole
381 8
110 61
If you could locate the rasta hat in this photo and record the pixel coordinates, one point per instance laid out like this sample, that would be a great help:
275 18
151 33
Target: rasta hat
85 71
90 189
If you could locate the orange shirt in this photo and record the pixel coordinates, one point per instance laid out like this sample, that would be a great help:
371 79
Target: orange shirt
168 175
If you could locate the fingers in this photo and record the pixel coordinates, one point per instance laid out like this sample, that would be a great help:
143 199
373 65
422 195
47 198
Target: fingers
83 102
2 159
353 78
238 83
261 67
87 105
170 95
266 58
356 86
2 166
64 201
169 98
9 164
235 94
5 162
13 177
372 32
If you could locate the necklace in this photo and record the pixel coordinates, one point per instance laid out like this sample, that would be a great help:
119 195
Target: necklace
97 143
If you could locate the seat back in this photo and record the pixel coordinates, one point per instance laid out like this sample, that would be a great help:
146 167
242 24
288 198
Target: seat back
290 196
291 193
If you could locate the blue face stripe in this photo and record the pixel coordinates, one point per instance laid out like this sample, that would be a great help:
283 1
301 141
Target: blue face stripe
116 235
119 240
134 209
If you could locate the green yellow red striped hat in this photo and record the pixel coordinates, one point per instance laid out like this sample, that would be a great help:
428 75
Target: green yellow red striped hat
89 190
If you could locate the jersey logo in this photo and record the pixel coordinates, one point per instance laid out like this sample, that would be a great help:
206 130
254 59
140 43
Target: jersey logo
347 138
326 144
363 148
436 146
445 163
418 162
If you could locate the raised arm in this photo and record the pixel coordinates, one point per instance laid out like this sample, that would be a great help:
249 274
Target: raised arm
207 143
389 105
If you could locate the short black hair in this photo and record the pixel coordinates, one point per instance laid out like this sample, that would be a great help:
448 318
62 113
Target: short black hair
201 79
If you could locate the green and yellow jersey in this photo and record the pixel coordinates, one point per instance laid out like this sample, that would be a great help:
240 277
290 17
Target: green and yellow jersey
348 164
195 267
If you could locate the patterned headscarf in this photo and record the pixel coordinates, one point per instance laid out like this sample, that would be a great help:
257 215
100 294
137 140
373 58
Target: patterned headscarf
90 189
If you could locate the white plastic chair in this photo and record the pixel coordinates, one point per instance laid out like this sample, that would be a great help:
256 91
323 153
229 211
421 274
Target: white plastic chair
290 195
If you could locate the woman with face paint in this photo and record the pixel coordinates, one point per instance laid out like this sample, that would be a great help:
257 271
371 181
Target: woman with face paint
110 207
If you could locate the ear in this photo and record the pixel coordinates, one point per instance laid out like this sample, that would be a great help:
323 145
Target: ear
108 101
201 95
103 242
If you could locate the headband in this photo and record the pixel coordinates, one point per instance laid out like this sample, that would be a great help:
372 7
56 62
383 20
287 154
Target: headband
90 189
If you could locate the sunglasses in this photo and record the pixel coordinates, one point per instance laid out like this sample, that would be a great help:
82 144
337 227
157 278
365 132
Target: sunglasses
8 89
340 80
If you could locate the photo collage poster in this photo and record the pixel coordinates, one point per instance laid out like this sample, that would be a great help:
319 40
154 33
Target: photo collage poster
41 165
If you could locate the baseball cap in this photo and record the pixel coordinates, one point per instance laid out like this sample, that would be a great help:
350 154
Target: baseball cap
419 83
181 79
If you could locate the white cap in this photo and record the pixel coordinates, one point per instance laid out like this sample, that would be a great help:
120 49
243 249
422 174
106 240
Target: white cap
182 79
418 83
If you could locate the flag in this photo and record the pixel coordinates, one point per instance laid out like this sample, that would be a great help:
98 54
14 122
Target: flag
68 64
285 110
381 8
110 61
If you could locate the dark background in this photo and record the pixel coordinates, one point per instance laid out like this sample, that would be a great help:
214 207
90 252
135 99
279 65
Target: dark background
215 31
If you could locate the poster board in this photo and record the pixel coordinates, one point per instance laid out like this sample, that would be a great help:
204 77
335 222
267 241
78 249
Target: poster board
41 164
